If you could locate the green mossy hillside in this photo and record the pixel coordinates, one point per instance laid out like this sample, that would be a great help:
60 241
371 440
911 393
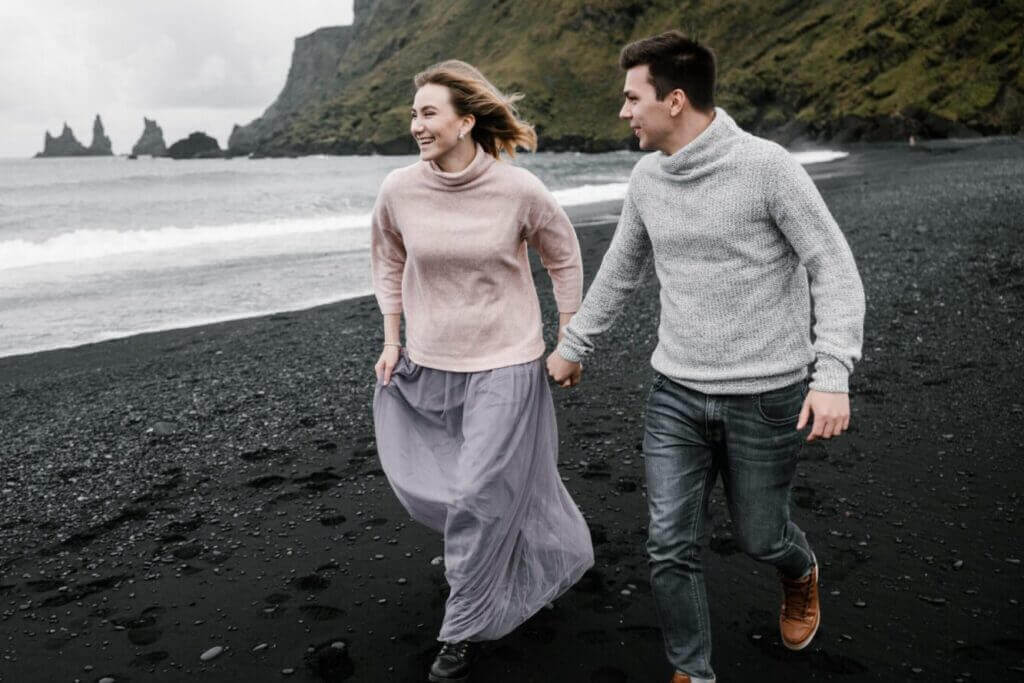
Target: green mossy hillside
826 70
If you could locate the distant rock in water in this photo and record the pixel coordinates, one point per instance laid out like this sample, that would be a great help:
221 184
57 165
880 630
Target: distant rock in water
152 140
198 145
100 146
66 145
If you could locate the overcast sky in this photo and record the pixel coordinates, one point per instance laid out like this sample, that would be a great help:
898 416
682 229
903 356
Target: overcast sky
189 64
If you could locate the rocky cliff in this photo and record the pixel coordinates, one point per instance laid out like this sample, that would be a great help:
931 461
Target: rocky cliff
313 77
151 141
828 70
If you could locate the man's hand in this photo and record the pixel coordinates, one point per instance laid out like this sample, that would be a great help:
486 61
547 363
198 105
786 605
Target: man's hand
564 372
831 414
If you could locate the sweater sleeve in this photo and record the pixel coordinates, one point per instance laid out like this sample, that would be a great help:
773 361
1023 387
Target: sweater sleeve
800 213
551 234
387 256
622 270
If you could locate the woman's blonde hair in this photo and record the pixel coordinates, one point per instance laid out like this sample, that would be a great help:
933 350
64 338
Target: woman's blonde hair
498 127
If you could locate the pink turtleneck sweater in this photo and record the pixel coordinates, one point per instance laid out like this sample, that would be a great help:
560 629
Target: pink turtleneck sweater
449 251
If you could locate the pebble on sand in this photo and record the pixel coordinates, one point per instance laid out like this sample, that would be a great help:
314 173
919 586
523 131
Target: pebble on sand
212 653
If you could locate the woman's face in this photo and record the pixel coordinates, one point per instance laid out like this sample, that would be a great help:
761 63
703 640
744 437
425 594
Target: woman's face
435 124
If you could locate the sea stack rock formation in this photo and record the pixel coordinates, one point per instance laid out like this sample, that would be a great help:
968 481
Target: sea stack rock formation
151 141
100 146
65 145
198 145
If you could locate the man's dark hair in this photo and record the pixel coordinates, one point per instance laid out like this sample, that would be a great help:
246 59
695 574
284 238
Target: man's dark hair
675 61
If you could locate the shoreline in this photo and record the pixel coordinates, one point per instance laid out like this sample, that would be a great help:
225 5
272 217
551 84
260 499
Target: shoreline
798 145
581 215
169 493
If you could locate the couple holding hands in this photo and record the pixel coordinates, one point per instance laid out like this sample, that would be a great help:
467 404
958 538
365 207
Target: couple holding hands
745 251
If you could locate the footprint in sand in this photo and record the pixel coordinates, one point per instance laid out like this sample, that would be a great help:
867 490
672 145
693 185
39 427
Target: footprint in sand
626 485
43 585
330 660
332 520
143 629
311 582
148 659
144 636
276 605
266 481
187 552
322 612
320 480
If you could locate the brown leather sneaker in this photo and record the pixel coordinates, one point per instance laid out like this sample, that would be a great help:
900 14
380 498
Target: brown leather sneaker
801 610
680 678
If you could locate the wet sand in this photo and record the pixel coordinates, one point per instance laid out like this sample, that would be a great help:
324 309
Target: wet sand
170 493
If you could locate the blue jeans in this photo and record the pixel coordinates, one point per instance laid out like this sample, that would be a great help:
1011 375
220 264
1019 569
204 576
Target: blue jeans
690 438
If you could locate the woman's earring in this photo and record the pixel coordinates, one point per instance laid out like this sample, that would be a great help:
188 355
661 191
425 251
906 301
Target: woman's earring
462 135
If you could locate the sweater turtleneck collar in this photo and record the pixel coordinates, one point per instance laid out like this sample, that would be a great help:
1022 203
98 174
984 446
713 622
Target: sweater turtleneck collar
704 148
481 162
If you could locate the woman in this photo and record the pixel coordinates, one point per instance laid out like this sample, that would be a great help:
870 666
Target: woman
463 415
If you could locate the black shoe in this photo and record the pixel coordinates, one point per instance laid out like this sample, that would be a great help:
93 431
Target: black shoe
452 663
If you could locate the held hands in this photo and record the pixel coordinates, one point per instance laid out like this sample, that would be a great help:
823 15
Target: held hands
386 364
831 414
564 372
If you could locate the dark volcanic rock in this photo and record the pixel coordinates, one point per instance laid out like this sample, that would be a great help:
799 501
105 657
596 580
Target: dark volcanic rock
66 145
100 146
151 141
198 145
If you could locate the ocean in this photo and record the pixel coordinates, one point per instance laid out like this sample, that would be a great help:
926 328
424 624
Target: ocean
100 248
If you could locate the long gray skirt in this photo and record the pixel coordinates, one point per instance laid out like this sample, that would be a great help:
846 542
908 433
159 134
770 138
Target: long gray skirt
473 455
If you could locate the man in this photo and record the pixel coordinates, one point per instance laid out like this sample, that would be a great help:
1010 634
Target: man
735 228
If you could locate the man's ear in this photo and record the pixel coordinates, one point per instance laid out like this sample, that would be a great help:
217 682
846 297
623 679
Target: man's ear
677 102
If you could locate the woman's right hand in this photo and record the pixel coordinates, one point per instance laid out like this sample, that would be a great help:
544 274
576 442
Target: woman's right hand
386 364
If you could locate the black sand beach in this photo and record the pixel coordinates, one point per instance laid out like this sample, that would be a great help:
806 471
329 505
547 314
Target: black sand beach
218 486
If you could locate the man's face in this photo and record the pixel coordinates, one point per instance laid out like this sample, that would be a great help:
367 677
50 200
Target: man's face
647 115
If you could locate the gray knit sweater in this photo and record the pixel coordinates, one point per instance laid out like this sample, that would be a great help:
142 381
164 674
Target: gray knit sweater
736 228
